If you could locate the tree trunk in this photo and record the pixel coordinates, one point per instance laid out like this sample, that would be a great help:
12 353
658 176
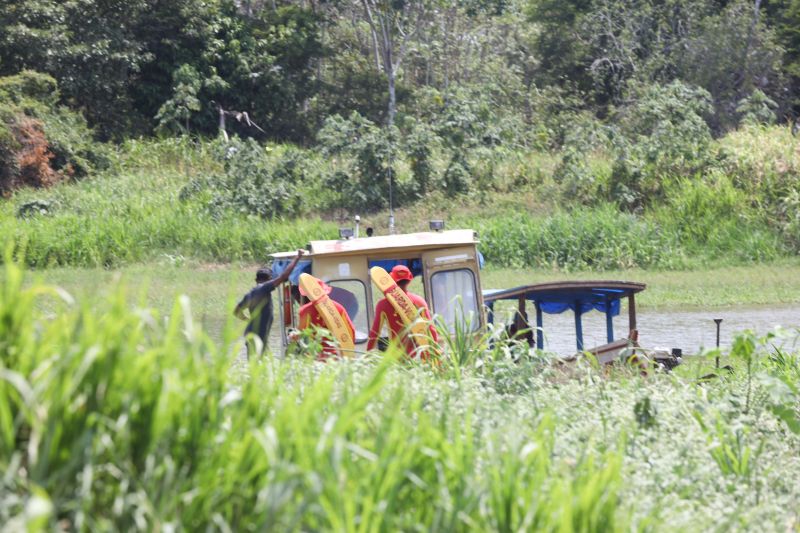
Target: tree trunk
222 124
392 98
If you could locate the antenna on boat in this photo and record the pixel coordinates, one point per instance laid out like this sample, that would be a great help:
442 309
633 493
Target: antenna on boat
391 202
391 183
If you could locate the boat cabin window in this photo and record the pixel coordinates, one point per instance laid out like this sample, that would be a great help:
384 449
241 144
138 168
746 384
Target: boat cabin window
455 298
352 294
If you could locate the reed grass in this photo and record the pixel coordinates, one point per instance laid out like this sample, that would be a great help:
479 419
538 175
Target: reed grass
118 417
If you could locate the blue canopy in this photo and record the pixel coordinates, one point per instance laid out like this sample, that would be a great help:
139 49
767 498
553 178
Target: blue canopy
577 296
414 265
554 308
279 265
557 297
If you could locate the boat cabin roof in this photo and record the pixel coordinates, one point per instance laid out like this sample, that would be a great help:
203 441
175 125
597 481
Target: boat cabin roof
385 251
558 296
567 291
404 243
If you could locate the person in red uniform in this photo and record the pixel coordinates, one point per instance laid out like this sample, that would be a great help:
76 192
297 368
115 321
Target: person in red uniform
385 313
309 316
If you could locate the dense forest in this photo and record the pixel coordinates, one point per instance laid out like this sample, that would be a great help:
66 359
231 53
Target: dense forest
308 106
516 71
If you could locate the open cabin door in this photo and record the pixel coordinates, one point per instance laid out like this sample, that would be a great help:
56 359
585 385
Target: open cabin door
288 314
453 287
348 277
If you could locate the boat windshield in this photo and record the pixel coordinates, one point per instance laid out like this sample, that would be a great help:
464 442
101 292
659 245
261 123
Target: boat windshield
455 298
352 294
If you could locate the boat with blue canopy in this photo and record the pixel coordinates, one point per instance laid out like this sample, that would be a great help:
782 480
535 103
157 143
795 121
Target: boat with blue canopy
579 297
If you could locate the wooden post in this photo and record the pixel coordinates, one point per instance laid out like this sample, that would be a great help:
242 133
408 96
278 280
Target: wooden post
609 322
539 326
578 326
631 312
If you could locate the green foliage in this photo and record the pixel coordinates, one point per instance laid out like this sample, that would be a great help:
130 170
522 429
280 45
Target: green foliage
511 73
176 112
100 407
150 206
292 445
758 108
370 151
419 145
730 449
259 64
581 181
586 239
785 18
646 413
733 53
603 49
40 141
90 50
126 63
662 135
764 163
253 184
29 85
238 200
711 216
457 177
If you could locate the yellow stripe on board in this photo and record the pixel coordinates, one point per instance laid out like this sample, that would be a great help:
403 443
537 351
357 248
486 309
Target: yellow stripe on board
402 304
324 306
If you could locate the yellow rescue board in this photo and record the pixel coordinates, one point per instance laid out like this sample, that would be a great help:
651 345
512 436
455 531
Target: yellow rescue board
402 304
333 321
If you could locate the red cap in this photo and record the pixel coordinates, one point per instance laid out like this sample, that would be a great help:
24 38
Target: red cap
400 272
325 288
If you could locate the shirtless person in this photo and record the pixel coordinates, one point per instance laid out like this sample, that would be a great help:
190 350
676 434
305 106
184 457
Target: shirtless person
258 304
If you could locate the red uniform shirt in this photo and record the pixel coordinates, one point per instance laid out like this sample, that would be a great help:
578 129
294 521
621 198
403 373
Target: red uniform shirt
384 312
309 316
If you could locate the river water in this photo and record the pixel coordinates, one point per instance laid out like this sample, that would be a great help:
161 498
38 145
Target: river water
689 330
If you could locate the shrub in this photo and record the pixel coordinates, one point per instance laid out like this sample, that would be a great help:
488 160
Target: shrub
764 162
662 135
41 143
29 86
758 108
369 167
581 181
254 184
419 144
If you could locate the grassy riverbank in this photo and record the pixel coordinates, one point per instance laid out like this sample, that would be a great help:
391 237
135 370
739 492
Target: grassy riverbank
180 198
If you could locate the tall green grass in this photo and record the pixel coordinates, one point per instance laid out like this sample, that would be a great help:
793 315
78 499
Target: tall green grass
137 214
116 418
598 239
